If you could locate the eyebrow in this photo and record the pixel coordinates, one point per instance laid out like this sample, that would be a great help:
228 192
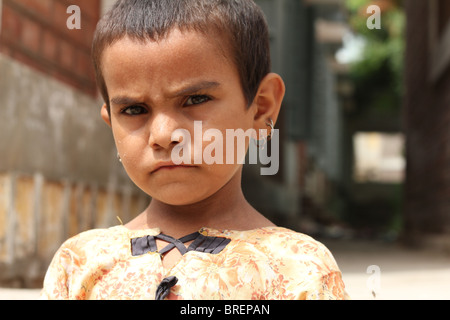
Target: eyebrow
202 85
191 89
124 100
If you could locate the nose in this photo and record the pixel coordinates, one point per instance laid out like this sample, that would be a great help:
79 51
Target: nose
161 128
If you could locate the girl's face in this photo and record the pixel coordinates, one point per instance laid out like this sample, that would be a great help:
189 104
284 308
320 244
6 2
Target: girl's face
156 88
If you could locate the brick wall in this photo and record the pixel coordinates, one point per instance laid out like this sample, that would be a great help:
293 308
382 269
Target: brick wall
35 33
427 125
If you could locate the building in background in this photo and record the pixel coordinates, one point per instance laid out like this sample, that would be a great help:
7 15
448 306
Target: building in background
330 109
305 36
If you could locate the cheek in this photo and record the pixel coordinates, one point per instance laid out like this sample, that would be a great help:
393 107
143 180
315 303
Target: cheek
129 145
132 161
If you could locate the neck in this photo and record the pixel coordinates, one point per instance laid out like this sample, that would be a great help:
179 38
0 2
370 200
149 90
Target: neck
226 209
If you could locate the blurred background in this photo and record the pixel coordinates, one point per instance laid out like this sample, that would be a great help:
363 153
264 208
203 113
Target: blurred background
364 158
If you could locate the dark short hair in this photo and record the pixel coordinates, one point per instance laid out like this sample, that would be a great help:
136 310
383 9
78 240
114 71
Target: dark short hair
240 24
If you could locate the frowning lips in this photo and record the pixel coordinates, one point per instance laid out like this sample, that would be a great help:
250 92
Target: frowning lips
169 165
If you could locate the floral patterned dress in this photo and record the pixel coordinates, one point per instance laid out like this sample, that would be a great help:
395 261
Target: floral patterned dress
267 263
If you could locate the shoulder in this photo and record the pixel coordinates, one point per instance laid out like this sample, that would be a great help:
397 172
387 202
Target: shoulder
95 236
95 242
306 263
89 251
278 238
303 267
292 247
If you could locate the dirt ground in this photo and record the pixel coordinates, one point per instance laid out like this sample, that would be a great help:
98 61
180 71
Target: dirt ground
395 273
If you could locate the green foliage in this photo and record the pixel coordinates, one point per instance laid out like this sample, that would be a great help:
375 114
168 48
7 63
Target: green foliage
378 75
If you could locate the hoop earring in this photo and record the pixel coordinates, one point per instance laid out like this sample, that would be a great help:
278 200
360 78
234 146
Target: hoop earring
262 143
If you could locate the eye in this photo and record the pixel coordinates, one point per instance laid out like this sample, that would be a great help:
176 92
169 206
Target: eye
134 110
198 99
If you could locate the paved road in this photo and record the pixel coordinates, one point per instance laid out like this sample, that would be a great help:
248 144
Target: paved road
391 271
397 273
16 294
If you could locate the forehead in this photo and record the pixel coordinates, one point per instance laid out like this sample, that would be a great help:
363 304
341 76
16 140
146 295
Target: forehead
178 53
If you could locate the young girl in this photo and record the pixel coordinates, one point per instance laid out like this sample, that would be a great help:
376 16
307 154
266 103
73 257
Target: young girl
161 66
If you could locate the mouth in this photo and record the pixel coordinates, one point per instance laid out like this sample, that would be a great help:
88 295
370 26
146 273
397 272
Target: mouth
170 166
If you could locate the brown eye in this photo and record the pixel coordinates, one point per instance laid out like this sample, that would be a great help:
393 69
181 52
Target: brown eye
134 110
194 100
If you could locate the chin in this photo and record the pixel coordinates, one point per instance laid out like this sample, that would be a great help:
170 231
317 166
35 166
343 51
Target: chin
174 201
179 196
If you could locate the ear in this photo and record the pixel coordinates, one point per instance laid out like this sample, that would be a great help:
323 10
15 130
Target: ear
268 99
105 115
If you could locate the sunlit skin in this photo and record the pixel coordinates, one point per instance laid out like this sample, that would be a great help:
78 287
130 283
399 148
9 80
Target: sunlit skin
158 87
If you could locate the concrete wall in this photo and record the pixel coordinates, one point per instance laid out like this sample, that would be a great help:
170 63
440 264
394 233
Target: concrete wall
50 128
